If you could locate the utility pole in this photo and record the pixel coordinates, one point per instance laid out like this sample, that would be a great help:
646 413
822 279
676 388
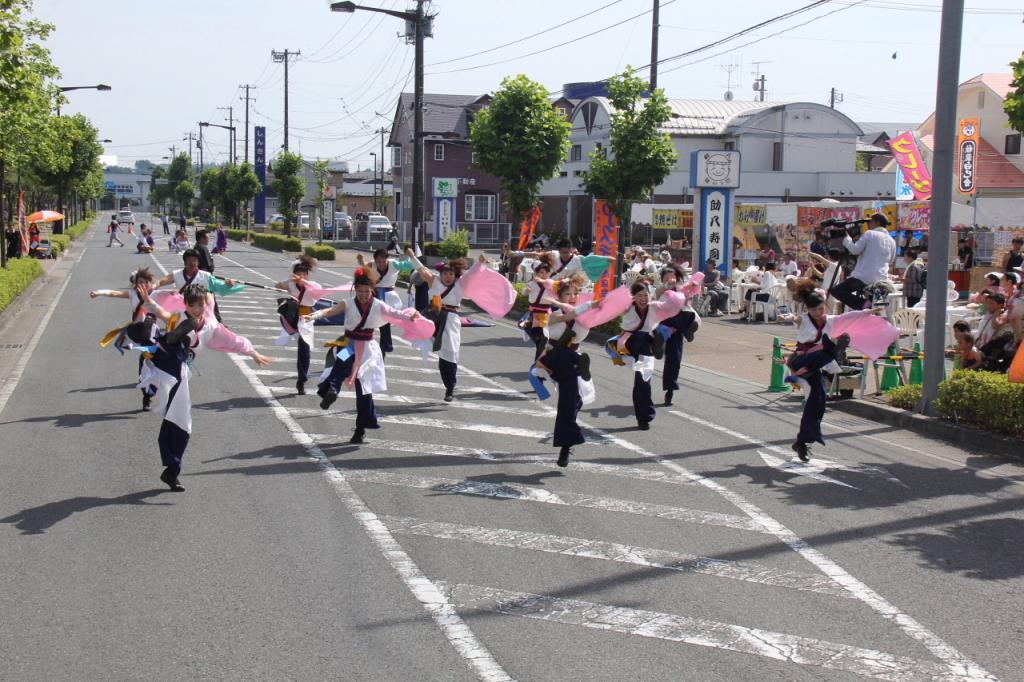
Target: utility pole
654 45
231 137
283 57
759 80
947 93
190 158
247 98
834 98
383 200
417 145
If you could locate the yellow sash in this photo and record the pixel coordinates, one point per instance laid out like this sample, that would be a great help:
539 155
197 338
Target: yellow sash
109 337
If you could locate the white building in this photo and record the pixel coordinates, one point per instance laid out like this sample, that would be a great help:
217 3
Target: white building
791 151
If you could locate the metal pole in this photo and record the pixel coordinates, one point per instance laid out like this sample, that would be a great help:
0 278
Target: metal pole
417 149
374 181
286 100
942 195
3 223
246 136
654 46
383 201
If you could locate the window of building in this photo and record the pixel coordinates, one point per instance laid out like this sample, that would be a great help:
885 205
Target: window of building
438 152
1012 145
563 174
981 99
576 153
481 207
729 146
396 157
776 156
563 111
472 157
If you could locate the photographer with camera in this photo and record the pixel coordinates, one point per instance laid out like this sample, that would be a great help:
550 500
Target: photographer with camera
875 251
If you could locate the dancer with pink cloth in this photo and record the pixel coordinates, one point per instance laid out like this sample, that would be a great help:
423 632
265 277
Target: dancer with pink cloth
821 341
358 360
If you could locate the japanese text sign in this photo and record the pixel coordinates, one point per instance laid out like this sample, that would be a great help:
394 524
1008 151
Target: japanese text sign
606 243
969 132
915 172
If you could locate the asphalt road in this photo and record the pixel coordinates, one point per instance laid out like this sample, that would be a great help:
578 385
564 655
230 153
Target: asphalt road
450 546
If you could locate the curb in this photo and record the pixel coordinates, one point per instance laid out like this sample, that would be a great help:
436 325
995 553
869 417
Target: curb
967 437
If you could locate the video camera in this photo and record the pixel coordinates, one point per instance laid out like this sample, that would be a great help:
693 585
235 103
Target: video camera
841 228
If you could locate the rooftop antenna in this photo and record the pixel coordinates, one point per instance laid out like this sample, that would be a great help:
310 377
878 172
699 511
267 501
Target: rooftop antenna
729 68
759 79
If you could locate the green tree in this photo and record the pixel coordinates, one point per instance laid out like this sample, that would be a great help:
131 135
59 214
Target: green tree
242 186
67 156
184 192
27 92
1013 104
214 190
521 139
289 186
640 155
180 171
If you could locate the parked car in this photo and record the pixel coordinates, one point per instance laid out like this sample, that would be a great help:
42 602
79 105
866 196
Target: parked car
342 227
379 227
125 215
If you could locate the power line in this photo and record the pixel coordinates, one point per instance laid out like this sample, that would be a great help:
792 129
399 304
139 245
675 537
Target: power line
331 58
554 47
532 35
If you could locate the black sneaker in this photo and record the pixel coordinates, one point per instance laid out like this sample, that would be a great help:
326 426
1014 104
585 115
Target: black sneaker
171 480
668 397
448 395
357 436
643 426
300 388
321 389
328 399
802 451
690 331
147 402
563 456
584 367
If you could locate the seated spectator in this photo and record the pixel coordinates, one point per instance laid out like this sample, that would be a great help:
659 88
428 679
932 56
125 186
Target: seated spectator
991 286
767 280
790 268
913 278
716 291
995 335
966 355
180 242
144 245
737 273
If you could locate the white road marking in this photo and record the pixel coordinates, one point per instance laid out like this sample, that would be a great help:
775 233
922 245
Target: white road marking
445 450
696 631
811 469
429 401
513 491
616 552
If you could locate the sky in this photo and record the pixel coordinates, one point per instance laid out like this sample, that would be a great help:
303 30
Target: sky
173 64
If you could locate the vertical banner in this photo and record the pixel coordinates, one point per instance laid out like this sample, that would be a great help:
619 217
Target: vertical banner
528 227
260 164
915 172
22 224
716 227
967 155
444 216
606 243
903 190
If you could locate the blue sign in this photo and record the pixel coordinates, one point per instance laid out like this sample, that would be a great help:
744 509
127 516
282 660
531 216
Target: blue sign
110 185
260 162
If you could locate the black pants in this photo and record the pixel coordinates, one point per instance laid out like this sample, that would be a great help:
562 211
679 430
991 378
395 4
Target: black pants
814 404
563 363
449 371
639 344
302 360
366 411
912 301
850 292
422 296
719 300
673 361
540 341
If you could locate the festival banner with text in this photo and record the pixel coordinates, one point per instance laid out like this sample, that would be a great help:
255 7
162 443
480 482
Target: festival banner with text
967 142
915 172
672 219
606 243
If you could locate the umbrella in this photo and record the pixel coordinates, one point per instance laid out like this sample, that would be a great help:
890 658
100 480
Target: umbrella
44 217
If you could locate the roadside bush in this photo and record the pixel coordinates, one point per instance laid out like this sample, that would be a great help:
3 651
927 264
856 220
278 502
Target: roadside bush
20 273
190 222
273 242
237 235
984 399
79 228
904 397
60 243
455 245
276 226
320 251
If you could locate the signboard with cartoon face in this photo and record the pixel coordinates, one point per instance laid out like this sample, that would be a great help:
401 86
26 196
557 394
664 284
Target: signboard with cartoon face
715 168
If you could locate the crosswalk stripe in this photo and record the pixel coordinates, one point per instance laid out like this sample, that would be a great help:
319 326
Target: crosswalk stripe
427 401
445 450
696 631
617 552
512 491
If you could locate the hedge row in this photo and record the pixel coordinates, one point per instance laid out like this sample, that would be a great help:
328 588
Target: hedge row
20 273
987 400
79 228
271 242
320 251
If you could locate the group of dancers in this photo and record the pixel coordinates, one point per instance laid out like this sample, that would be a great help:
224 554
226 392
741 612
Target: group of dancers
171 327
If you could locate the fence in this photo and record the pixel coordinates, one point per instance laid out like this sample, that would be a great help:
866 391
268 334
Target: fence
480 234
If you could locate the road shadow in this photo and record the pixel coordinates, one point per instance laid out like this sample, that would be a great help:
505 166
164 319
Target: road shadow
74 420
238 403
37 520
989 549
101 389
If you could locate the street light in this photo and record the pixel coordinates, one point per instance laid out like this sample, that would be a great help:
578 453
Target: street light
420 25
374 155
58 227
231 135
